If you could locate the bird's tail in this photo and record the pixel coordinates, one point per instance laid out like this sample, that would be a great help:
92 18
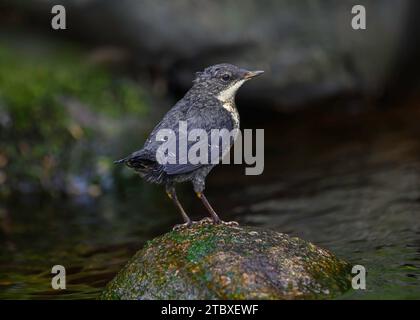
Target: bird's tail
141 159
120 161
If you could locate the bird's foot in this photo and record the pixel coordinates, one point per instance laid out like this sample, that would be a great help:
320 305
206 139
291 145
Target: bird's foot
205 221
182 226
225 223
230 223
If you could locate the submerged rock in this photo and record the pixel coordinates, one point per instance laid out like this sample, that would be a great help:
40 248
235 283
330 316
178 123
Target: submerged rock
225 262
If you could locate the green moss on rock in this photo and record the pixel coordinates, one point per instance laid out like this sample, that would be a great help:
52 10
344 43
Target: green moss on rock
223 262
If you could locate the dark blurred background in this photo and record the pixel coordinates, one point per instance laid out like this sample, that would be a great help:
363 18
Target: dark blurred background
340 109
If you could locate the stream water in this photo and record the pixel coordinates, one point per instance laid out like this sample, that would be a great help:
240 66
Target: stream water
348 183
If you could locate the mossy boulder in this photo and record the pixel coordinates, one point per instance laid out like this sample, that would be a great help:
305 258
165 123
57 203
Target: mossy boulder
226 262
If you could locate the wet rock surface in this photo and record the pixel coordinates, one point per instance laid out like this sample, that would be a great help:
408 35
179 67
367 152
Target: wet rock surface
225 262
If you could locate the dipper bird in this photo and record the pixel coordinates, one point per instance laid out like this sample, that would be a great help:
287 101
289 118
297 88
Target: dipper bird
208 105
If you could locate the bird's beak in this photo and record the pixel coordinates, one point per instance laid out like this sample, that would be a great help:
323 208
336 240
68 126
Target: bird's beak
251 74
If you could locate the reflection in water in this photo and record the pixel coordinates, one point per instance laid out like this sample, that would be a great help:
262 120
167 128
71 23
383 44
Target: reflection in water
351 185
91 241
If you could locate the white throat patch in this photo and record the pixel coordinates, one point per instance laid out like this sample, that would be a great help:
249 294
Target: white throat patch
229 93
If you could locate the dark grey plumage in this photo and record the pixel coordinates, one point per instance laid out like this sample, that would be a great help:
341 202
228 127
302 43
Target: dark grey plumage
208 105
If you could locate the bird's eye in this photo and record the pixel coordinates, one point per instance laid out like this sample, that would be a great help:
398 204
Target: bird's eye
226 77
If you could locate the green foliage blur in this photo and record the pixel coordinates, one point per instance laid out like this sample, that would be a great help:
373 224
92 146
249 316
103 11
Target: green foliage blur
39 134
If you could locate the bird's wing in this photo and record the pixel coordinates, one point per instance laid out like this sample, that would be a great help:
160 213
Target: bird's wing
205 118
206 115
148 151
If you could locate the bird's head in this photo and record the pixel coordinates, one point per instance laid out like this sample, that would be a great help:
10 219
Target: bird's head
223 80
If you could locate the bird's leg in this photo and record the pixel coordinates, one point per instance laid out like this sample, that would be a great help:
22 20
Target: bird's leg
170 191
199 185
215 218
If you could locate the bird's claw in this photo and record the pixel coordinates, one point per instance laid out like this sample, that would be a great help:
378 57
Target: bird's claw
205 221
230 223
182 226
226 223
